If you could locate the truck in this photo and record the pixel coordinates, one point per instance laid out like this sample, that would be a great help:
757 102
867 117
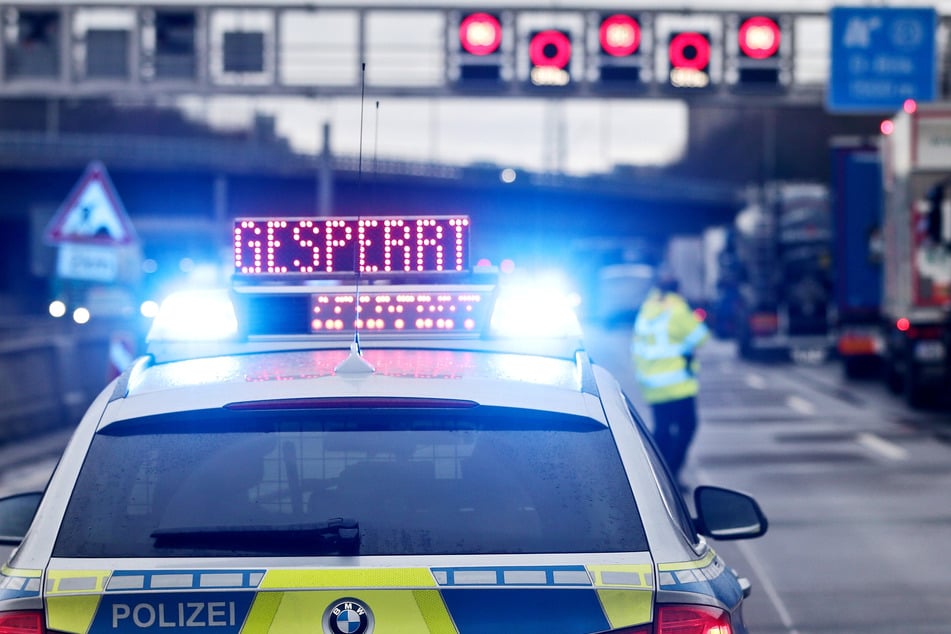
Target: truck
916 306
719 307
776 272
693 260
684 260
856 200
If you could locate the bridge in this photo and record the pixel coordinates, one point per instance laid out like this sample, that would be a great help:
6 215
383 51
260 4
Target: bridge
85 81
112 48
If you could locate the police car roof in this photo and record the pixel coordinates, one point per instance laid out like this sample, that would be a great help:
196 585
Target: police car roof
297 323
400 377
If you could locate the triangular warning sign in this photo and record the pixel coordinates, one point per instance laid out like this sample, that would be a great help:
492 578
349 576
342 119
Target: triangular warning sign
92 213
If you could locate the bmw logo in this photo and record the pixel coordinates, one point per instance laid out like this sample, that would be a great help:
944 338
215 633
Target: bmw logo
348 616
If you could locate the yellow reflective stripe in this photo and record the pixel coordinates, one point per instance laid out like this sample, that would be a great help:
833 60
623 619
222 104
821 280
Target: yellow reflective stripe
627 607
350 578
71 614
626 592
262 612
20 572
623 575
434 611
394 611
75 581
704 561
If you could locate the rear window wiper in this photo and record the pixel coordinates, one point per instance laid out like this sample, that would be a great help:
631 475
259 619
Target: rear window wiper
338 535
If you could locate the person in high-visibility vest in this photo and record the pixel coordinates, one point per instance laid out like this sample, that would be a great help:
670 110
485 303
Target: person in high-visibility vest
666 336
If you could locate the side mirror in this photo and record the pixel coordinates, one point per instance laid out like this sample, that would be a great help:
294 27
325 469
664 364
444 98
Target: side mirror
16 515
726 514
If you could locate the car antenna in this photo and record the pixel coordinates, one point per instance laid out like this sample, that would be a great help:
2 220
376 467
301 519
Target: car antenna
355 363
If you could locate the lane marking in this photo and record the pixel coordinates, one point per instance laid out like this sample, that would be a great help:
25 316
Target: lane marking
768 587
801 405
760 573
881 446
756 381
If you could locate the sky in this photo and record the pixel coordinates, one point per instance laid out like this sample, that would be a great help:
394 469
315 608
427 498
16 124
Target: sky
576 136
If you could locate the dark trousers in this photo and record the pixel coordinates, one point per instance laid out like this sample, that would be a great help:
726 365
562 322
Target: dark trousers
675 423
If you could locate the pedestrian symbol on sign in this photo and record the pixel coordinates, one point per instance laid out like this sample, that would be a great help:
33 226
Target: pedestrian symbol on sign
92 213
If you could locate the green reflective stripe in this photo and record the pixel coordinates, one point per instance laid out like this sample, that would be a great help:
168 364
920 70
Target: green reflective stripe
652 339
434 611
622 575
625 592
627 607
76 581
262 613
687 565
394 611
20 572
664 379
647 368
658 351
72 614
299 612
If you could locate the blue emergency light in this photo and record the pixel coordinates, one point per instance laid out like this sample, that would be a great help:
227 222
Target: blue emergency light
385 278
373 246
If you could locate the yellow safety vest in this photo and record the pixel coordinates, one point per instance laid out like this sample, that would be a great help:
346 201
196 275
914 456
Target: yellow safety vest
665 334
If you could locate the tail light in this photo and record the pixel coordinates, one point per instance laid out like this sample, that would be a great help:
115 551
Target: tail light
925 332
918 332
692 619
22 623
684 619
764 323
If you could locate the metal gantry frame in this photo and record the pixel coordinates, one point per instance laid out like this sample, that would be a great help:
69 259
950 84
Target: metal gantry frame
412 61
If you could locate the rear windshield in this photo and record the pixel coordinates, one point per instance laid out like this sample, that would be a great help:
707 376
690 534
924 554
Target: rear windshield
346 482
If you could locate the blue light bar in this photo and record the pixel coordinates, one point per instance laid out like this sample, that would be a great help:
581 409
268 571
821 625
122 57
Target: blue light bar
328 247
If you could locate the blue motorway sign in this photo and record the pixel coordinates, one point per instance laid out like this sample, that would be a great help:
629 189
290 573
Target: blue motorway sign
881 56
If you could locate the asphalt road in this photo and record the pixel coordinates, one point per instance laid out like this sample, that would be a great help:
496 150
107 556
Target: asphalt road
856 486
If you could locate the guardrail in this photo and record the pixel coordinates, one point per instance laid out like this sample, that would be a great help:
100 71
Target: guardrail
47 380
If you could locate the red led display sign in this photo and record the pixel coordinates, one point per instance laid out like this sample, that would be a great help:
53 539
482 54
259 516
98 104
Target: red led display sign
441 310
338 246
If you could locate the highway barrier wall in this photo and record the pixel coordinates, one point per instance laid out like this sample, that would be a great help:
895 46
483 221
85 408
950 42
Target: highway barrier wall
48 380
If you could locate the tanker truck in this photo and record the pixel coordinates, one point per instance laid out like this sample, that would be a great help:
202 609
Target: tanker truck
777 266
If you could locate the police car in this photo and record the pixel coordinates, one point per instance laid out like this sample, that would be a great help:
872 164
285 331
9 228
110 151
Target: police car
358 438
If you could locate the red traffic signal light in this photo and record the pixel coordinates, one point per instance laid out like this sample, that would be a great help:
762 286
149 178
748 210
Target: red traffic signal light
759 37
619 35
688 53
689 50
759 58
550 48
550 55
620 64
479 58
480 34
